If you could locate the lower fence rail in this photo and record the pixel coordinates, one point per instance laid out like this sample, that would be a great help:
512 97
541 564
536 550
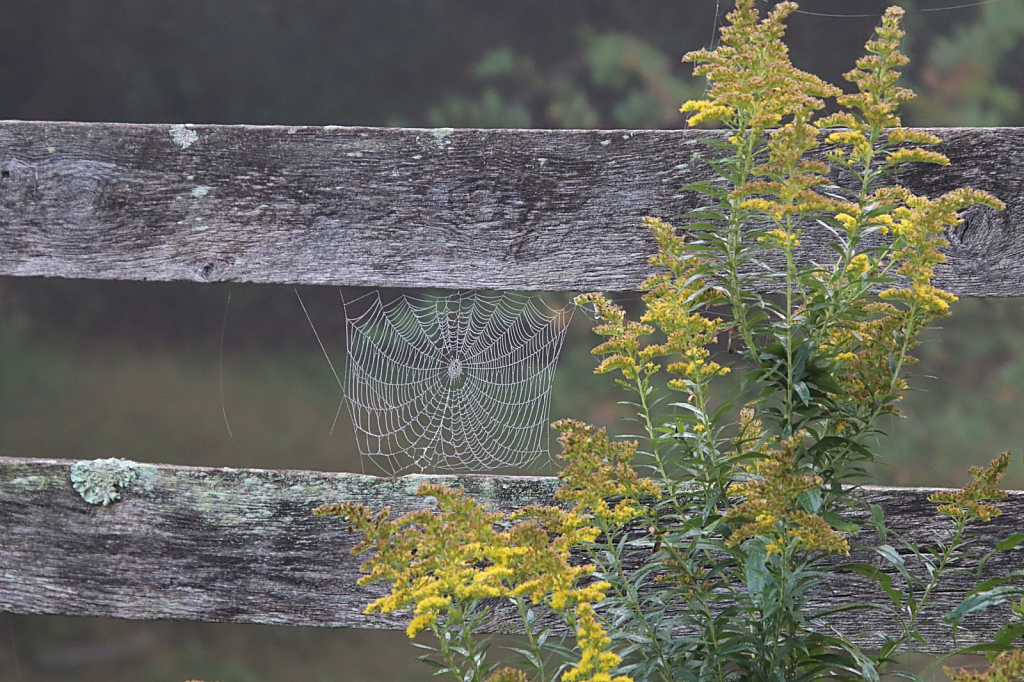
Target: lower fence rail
242 545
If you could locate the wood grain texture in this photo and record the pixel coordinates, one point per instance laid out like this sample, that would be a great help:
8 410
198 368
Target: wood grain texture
241 545
470 209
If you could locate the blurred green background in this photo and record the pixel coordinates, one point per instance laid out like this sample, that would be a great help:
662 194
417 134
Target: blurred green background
158 372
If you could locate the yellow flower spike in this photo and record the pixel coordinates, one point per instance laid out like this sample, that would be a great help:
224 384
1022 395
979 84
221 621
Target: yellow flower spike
847 220
846 137
559 599
911 136
419 624
966 504
859 265
918 155
706 111
433 603
770 499
758 204
595 662
780 238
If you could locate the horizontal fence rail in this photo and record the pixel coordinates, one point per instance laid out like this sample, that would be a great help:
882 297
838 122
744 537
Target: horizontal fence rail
241 545
470 209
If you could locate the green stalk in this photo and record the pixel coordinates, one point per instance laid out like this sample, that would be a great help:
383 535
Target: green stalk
788 413
467 639
454 669
635 605
532 639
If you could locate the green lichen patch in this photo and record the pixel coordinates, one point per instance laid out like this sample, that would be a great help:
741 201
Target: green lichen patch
98 481
441 136
146 474
29 482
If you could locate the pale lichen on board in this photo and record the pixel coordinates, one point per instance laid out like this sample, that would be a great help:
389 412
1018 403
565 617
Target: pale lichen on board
98 481
183 135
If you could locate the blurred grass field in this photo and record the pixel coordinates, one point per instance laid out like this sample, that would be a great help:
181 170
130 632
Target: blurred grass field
177 373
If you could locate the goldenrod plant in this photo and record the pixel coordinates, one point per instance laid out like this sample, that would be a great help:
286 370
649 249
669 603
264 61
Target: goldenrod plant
702 569
1007 667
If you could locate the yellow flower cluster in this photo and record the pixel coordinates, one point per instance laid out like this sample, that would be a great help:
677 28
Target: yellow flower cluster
769 504
848 221
915 155
706 111
968 504
911 136
876 75
876 332
859 265
917 227
508 674
596 662
786 241
623 344
439 562
753 83
794 196
599 470
673 300
751 431
854 138
864 348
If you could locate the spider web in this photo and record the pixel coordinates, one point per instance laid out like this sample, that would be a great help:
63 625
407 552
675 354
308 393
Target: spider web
452 383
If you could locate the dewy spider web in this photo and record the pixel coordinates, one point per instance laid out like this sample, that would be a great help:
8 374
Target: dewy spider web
452 383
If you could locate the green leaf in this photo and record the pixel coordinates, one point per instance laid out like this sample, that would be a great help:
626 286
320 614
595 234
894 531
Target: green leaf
803 352
884 579
998 580
892 556
810 500
887 648
836 521
866 667
1010 542
1008 634
982 601
827 383
757 573
878 518
802 391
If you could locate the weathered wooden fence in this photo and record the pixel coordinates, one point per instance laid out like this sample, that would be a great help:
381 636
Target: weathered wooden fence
471 209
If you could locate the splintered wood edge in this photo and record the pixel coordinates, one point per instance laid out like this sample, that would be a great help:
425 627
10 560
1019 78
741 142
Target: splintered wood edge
556 210
242 545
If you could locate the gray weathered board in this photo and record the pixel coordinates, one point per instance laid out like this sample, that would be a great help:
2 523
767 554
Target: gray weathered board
241 545
475 209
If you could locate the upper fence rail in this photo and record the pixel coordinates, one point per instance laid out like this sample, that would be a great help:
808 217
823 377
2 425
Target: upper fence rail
438 208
